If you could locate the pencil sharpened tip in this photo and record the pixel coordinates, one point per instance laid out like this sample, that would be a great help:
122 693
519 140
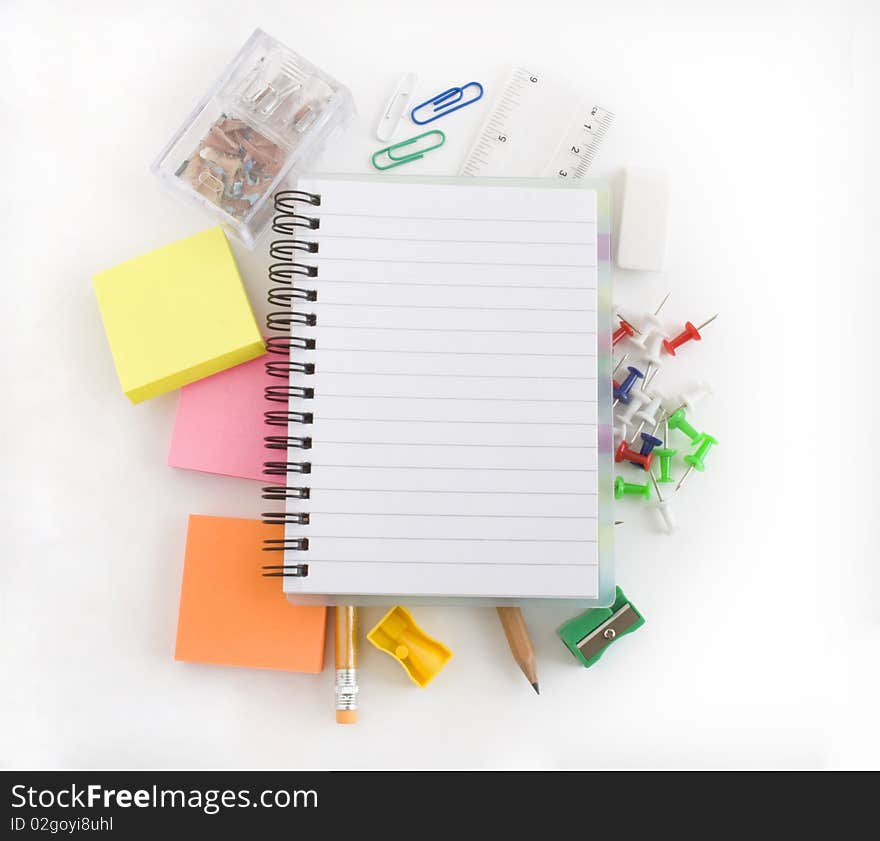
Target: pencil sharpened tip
535 687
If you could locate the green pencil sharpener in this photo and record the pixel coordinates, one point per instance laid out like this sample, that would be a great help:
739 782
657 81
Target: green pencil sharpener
589 635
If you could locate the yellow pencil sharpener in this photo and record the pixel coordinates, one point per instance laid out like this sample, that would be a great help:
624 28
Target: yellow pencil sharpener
397 634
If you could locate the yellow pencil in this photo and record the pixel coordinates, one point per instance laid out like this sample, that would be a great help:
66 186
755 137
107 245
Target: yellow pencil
346 664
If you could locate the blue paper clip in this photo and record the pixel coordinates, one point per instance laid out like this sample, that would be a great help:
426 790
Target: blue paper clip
447 102
398 160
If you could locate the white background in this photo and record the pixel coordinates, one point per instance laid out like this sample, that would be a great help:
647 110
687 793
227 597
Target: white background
761 642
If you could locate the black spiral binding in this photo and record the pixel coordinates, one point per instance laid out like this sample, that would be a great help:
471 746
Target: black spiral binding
285 275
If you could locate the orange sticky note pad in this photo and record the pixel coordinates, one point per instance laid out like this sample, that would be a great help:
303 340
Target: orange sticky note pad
230 614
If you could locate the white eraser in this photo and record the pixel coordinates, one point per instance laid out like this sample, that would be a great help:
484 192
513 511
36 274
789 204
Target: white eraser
641 243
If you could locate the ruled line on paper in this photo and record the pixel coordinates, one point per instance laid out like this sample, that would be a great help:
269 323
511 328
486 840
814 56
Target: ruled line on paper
435 562
457 330
321 236
323 257
322 305
319 394
313 512
543 221
461 491
455 352
324 371
325 280
318 466
441 420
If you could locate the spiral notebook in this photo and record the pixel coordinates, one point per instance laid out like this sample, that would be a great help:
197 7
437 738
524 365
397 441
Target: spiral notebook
445 432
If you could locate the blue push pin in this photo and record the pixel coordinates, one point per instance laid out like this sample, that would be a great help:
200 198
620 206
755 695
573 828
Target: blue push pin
621 393
648 444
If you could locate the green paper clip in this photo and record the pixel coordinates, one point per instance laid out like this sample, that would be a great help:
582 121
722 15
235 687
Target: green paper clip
399 160
588 636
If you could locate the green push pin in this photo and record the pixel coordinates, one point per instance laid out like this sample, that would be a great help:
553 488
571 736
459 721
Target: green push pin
695 459
677 420
623 488
665 454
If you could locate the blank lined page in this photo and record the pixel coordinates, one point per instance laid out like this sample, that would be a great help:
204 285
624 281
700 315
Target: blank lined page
455 391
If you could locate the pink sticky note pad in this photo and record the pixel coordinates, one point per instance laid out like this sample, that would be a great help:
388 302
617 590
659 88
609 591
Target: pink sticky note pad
219 426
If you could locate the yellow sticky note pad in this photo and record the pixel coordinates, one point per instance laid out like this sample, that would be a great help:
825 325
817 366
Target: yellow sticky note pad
176 315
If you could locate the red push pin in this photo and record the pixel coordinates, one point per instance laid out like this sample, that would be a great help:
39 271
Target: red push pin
689 332
625 331
625 453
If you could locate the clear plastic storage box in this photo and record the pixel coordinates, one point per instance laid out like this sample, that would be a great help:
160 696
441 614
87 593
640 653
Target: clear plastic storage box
267 117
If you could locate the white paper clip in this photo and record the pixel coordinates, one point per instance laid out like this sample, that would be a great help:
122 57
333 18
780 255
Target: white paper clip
397 106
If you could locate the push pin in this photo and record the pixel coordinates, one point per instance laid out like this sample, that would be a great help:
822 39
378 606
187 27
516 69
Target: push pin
626 330
622 392
695 459
648 414
653 348
625 453
620 432
649 443
637 398
678 421
696 394
623 488
665 454
652 344
651 320
664 509
689 332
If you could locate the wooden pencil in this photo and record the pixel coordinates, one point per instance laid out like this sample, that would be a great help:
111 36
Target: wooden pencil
520 643
346 664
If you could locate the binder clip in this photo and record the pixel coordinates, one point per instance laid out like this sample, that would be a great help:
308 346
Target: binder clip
412 155
589 635
264 94
446 102
421 656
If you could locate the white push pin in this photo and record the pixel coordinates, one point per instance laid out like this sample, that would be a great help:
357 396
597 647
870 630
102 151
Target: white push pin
652 343
647 414
664 508
616 310
637 399
641 396
637 341
696 394
620 430
654 348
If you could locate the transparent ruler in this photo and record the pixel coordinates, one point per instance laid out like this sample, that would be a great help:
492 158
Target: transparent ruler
537 129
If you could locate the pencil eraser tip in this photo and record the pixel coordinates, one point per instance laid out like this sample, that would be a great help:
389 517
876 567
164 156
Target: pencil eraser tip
346 716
